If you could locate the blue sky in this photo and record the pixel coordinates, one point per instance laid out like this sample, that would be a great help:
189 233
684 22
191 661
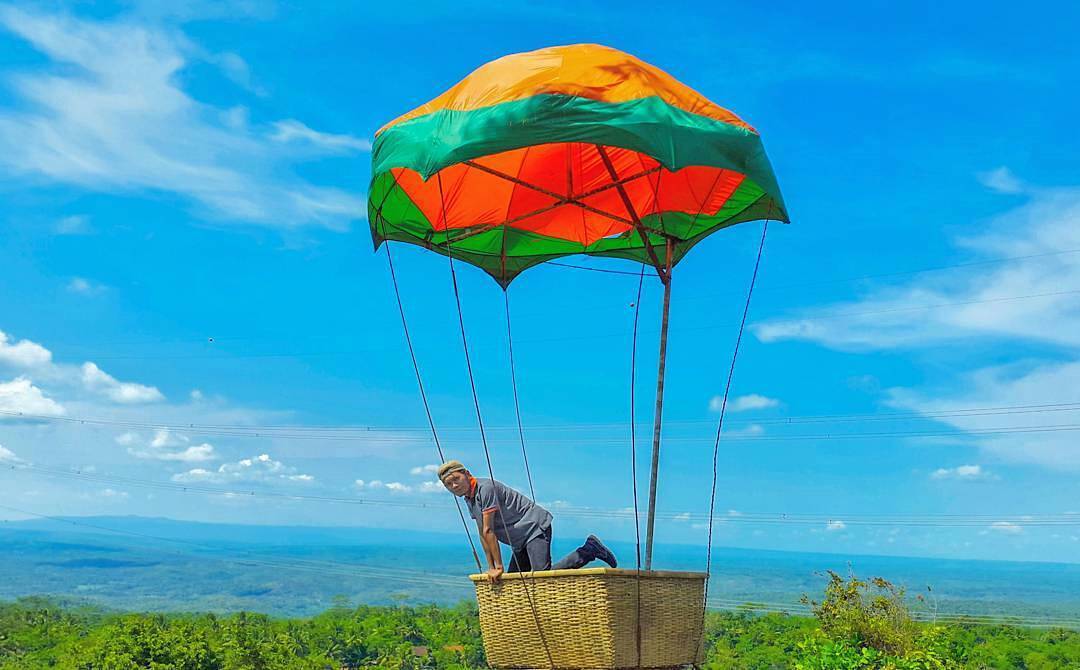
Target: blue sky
184 242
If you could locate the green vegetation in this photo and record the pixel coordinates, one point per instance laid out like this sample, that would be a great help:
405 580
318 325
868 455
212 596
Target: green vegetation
857 625
867 625
35 633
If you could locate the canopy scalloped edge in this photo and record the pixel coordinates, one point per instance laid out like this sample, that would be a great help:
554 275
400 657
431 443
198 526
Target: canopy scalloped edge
639 108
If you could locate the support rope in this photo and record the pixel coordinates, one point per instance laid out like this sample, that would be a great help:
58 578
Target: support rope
723 409
423 397
633 465
513 385
480 421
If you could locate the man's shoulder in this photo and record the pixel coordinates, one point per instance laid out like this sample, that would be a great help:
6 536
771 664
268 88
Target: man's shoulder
496 485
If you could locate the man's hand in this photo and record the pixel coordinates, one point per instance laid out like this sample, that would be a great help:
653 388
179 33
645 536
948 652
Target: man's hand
495 573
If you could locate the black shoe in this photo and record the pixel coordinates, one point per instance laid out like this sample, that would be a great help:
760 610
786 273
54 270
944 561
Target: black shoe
597 550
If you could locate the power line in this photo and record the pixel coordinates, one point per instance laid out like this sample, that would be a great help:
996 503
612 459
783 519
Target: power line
574 338
925 520
380 433
777 287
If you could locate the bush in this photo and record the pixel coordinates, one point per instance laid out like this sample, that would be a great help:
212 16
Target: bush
867 624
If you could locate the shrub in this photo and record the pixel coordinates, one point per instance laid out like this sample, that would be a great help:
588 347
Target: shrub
867 624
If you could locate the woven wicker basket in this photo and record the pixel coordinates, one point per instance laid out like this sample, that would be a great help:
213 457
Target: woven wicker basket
589 618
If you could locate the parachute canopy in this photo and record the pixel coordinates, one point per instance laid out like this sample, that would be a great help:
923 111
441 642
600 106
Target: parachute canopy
578 149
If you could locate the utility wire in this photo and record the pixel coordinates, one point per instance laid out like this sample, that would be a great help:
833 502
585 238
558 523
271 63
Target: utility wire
991 410
379 433
928 520
633 273
607 336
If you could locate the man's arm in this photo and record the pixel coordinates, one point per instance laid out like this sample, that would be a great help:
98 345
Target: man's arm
490 543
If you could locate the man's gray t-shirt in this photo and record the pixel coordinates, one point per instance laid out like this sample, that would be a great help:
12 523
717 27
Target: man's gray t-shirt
523 518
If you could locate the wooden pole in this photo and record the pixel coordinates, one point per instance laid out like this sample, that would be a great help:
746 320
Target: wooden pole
659 415
664 272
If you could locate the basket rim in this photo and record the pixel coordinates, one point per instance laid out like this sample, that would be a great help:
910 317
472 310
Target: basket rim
596 572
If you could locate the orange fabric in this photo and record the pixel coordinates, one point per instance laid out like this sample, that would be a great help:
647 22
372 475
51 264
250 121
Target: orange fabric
583 70
571 170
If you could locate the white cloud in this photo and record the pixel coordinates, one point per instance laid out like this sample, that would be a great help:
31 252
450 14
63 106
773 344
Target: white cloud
293 131
109 115
261 468
1006 527
1029 306
398 487
84 286
835 526
1031 300
963 472
96 379
23 354
20 395
752 430
681 518
424 470
7 455
73 225
1011 437
744 403
1001 180
113 494
194 454
237 70
431 487
167 446
163 437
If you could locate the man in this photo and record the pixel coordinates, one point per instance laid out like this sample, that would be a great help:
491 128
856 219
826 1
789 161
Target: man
505 515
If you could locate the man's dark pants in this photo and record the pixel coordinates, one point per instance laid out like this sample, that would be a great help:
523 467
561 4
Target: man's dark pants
536 555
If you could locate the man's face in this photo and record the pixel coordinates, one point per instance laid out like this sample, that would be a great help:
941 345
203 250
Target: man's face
457 482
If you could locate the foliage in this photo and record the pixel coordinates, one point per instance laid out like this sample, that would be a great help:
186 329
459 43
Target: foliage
37 633
872 614
34 633
868 625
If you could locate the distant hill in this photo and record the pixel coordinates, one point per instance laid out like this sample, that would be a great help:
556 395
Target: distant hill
196 531
140 563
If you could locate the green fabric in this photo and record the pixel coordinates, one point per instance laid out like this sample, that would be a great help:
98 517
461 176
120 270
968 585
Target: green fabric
672 136
504 252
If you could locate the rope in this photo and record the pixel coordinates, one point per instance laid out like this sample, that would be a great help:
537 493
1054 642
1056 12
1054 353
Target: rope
585 267
480 418
633 464
423 398
723 409
513 385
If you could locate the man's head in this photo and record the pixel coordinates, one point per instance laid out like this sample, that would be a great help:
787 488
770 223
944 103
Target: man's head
455 477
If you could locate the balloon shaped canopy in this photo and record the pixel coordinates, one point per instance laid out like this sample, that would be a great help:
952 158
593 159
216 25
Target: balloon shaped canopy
578 149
